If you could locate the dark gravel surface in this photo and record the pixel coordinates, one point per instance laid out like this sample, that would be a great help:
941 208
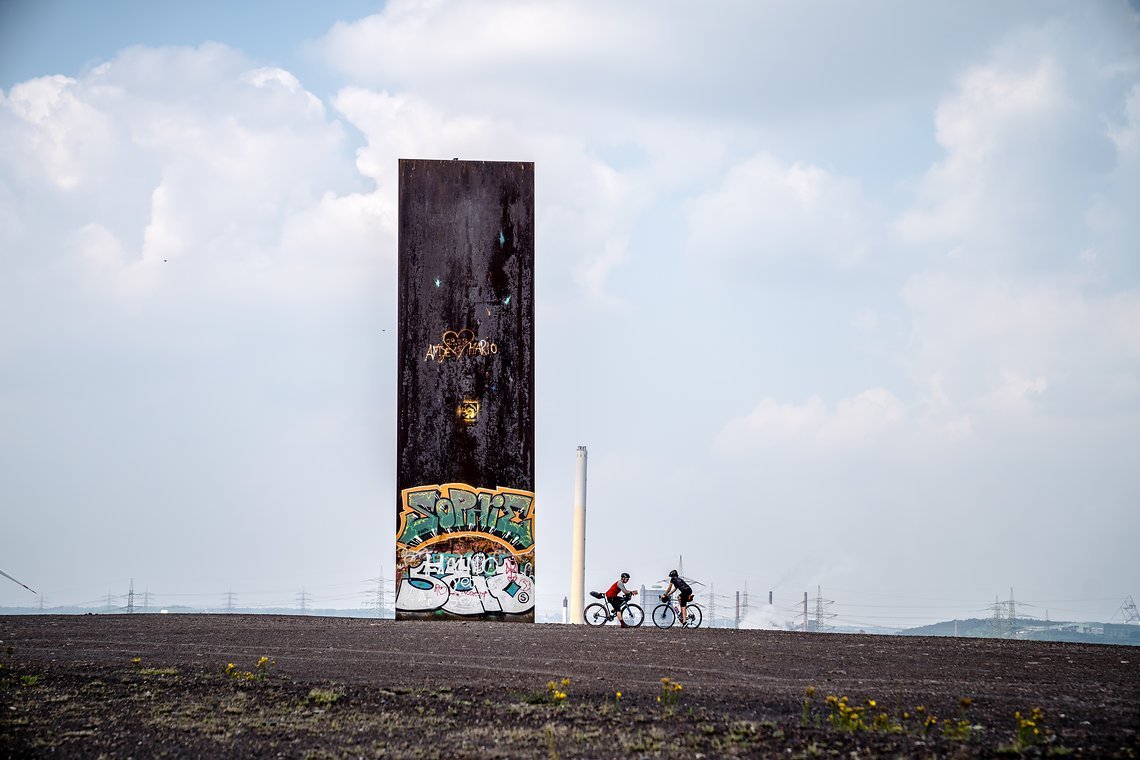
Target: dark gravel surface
156 685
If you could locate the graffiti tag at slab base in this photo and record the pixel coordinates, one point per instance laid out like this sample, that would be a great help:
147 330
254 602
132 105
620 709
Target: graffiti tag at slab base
471 583
465 550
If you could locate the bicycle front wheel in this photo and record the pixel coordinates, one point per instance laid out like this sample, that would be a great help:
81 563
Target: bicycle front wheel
663 616
693 616
633 615
596 614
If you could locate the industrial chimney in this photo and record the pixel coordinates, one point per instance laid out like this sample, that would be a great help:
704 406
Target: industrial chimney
578 560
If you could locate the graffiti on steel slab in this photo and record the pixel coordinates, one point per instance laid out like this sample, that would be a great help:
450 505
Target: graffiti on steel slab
430 514
468 411
469 583
457 344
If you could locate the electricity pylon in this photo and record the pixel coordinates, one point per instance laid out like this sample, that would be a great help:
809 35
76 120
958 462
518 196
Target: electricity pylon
1129 612
821 614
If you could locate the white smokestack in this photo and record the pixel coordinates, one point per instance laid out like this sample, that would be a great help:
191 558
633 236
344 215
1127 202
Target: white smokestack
578 561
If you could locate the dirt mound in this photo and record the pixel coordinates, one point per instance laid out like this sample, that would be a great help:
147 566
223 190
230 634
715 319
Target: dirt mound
229 686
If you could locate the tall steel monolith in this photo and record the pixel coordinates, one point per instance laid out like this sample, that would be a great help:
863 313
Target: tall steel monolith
465 498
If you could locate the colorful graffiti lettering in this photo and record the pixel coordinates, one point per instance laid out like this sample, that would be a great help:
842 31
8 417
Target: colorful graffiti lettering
433 513
472 583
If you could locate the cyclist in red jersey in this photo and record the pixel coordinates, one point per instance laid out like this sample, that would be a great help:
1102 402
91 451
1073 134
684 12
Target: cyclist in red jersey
618 595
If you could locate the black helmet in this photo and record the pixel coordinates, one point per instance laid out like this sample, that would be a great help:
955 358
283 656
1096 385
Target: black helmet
672 573
625 575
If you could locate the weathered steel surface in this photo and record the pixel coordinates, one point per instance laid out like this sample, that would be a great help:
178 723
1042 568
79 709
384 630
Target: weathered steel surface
465 441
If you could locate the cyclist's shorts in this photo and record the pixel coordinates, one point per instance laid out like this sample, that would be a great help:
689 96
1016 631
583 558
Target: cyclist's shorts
684 597
616 601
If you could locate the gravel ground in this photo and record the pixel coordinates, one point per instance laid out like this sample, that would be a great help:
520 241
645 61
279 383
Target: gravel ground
157 685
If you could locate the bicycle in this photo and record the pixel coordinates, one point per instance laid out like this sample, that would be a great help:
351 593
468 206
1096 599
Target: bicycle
600 613
666 613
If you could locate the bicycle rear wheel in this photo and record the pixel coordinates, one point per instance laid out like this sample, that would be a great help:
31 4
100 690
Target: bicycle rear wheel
663 616
633 615
693 616
596 614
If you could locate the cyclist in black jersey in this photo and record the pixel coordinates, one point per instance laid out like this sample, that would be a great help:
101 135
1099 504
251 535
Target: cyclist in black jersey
684 593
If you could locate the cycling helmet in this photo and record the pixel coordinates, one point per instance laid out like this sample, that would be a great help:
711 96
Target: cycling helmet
625 576
672 573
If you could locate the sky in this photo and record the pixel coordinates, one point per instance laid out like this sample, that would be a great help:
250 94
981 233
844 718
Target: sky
842 298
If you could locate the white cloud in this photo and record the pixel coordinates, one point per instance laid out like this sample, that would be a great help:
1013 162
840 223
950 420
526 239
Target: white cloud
767 210
1124 135
585 214
485 39
191 305
978 333
187 156
99 247
866 320
992 355
858 420
992 130
1035 141
1015 394
1033 314
573 63
109 269
1111 215
271 76
58 134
